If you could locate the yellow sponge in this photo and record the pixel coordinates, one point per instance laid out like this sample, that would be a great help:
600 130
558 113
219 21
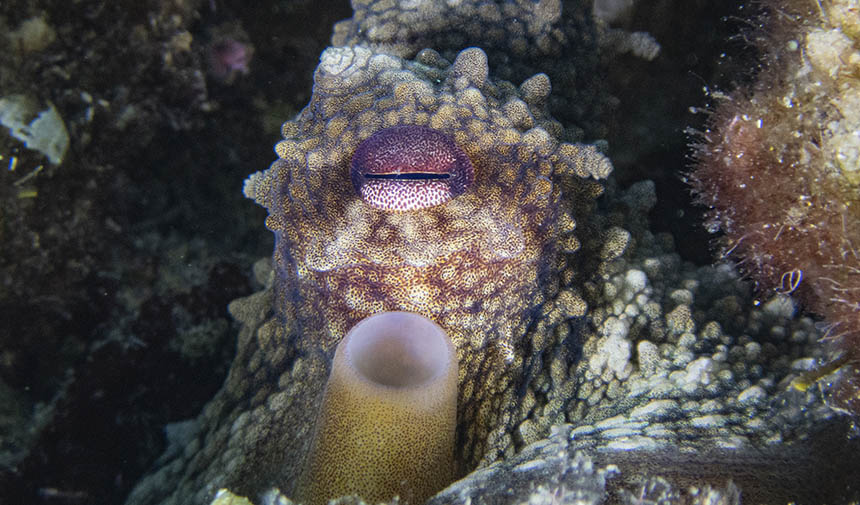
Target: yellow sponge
386 425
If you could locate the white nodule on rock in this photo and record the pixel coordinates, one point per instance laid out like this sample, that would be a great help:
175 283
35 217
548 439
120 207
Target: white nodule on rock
613 349
751 395
42 131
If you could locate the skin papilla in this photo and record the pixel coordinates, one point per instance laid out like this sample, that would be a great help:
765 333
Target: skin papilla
520 39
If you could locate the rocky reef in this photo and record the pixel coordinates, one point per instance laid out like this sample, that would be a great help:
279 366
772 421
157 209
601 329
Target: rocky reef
120 154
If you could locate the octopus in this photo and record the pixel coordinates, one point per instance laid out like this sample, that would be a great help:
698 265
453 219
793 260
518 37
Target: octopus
477 264
485 263
587 348
520 38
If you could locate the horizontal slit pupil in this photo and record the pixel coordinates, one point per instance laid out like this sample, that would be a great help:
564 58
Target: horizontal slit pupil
411 176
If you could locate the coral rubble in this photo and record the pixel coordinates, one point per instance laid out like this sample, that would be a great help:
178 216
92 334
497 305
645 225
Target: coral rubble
118 220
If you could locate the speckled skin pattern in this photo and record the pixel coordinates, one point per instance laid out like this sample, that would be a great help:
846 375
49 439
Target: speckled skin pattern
477 265
484 265
385 165
520 37
474 264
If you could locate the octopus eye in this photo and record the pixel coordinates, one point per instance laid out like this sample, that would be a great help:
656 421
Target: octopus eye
409 168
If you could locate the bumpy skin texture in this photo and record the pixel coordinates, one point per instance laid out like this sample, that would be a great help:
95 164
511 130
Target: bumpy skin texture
476 265
521 38
483 265
476 259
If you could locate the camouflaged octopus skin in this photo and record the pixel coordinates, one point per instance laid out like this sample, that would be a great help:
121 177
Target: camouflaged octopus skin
484 265
671 371
520 37
477 265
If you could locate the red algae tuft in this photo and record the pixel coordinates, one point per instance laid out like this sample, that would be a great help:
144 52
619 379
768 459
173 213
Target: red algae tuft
778 168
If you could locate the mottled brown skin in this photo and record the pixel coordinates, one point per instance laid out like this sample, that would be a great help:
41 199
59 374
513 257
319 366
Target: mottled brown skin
520 38
486 266
477 265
